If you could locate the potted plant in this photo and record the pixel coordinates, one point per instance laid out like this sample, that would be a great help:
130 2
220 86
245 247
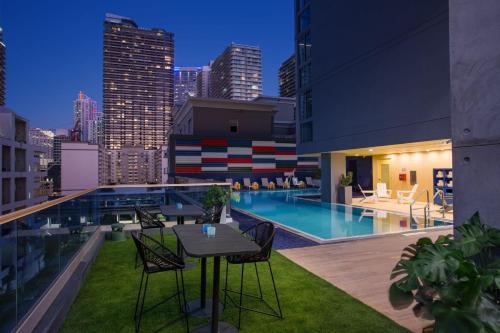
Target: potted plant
345 189
216 196
455 282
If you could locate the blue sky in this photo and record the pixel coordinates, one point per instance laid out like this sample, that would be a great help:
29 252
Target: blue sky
54 47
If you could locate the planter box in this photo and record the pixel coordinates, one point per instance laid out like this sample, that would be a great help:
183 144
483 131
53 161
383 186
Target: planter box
345 195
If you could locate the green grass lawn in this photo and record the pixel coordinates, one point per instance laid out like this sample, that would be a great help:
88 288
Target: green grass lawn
106 301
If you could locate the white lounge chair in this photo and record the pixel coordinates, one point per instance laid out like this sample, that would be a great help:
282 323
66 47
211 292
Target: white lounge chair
368 195
230 181
279 182
295 182
407 196
247 183
309 181
382 192
265 182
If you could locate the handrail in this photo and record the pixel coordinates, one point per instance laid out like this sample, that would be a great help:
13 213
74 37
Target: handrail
425 208
443 200
36 208
47 204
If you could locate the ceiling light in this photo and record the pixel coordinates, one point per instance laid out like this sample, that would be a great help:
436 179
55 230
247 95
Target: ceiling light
370 149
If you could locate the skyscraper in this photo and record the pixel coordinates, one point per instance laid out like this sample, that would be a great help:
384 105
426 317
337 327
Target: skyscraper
203 81
84 110
96 129
287 77
138 84
237 73
185 83
2 69
43 137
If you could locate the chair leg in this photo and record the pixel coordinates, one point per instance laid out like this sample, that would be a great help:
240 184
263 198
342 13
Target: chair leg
225 285
241 295
275 290
161 236
138 296
186 314
258 281
136 259
178 291
138 324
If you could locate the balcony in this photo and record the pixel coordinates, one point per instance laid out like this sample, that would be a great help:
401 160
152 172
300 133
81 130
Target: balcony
45 255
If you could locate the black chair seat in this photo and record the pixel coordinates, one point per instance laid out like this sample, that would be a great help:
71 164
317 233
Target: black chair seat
247 258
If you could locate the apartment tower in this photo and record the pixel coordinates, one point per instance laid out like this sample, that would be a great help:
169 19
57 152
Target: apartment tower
83 112
138 84
185 83
2 69
286 77
237 73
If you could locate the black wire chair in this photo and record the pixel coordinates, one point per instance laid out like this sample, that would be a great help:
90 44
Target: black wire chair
211 216
157 258
262 234
148 221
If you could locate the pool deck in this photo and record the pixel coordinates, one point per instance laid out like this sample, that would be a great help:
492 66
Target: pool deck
362 269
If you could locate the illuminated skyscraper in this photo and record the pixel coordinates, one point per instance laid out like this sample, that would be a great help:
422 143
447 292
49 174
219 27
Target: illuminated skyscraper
84 110
96 129
287 77
185 83
2 69
237 73
203 81
138 84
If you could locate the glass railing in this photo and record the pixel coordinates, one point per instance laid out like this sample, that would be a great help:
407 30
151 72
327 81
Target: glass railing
37 244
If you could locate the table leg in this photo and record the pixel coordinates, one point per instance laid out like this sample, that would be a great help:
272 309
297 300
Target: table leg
203 289
179 248
215 297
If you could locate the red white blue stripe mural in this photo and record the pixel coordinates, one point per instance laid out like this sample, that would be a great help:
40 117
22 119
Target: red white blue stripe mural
239 155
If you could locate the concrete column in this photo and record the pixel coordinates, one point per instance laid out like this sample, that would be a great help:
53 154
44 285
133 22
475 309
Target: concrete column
333 165
475 110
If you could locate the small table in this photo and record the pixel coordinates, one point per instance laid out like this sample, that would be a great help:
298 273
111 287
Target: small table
226 242
186 210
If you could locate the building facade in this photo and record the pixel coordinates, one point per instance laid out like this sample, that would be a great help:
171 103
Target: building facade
131 165
138 84
84 109
185 83
203 81
237 73
284 122
2 69
43 137
81 167
96 129
286 77
24 182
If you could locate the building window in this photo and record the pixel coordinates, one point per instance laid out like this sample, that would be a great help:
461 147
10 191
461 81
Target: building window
305 75
304 48
233 126
306 132
304 19
305 105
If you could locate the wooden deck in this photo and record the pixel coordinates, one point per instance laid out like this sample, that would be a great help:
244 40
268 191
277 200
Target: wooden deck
362 269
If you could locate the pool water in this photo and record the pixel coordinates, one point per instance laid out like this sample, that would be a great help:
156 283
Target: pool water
323 221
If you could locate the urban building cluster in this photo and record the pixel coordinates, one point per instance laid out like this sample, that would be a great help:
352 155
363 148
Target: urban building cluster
145 102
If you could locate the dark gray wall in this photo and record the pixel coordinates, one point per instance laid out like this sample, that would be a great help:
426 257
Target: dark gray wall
380 73
215 122
475 91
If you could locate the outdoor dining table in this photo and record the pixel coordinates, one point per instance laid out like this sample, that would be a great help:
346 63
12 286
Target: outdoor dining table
226 242
180 214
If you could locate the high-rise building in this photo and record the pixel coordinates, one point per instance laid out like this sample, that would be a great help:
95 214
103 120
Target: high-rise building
2 69
96 129
237 73
84 110
138 84
24 182
287 77
185 83
203 81
43 137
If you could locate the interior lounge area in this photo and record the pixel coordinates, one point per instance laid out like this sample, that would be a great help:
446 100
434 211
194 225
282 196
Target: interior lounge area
414 176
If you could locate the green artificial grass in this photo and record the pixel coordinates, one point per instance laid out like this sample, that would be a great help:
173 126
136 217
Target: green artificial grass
107 299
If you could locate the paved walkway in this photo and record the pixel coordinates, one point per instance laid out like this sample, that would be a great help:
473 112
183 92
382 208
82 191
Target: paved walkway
362 269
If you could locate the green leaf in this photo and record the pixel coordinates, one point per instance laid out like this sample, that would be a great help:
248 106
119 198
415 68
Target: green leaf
452 319
489 314
435 262
399 298
424 241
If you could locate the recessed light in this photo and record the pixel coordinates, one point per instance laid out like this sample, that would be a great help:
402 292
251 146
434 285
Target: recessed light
427 150
370 149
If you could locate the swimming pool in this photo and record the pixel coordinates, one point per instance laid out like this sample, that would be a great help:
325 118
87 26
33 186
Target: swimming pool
324 221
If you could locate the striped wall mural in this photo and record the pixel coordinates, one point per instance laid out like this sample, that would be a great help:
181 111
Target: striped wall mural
239 155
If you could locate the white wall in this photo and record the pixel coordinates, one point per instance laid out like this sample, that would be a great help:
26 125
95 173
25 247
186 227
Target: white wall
79 167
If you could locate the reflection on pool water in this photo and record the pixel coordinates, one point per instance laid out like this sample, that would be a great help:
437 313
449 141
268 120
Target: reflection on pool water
324 221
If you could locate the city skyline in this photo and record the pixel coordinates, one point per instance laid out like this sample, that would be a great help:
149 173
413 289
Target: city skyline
47 68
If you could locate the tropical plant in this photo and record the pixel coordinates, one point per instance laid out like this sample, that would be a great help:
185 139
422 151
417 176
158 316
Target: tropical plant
455 282
216 196
346 180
